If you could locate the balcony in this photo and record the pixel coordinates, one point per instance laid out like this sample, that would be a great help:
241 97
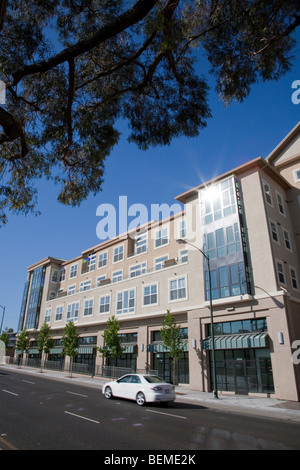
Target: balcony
104 282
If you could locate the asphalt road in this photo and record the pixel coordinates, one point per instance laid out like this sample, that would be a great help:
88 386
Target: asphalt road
38 413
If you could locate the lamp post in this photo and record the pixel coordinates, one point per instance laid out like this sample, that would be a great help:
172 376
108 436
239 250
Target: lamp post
182 241
2 318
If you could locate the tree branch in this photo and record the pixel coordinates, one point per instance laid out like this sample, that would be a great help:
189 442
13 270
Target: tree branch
70 101
12 130
121 64
116 26
3 7
281 35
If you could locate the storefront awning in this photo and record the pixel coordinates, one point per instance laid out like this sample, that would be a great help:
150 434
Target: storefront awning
84 350
129 348
158 346
56 350
241 341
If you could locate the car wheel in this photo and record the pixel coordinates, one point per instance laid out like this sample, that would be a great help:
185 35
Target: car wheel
108 392
140 399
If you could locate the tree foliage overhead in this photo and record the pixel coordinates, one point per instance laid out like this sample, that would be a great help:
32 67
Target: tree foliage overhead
74 68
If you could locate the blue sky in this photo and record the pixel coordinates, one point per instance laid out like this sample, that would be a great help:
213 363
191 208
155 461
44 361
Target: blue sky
233 136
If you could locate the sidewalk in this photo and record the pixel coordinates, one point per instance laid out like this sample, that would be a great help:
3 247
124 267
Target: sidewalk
267 407
263 407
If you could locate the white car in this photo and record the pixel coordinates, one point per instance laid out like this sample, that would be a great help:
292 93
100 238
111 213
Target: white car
140 387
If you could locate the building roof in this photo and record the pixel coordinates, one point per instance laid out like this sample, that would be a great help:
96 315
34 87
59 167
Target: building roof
44 262
259 163
107 243
271 158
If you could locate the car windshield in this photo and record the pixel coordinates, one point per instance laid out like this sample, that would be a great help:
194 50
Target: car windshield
153 379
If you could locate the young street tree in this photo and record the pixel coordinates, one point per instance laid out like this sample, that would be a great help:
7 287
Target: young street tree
5 336
73 69
70 342
23 341
112 343
172 338
45 341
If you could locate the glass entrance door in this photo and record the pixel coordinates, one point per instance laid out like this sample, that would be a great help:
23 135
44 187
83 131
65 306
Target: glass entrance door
241 382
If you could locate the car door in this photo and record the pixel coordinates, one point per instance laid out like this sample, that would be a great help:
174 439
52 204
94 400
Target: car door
122 386
134 386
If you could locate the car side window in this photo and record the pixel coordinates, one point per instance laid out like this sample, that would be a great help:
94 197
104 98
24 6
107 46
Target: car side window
125 379
135 379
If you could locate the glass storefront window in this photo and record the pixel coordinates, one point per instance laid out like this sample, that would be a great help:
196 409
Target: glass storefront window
237 327
244 371
163 364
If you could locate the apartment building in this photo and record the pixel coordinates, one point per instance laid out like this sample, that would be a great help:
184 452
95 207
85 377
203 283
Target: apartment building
247 222
135 276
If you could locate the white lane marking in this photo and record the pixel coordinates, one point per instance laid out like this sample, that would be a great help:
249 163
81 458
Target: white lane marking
79 394
166 414
8 444
82 417
11 393
28 382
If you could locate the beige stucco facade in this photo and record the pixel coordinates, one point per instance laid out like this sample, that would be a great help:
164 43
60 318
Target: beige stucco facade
252 235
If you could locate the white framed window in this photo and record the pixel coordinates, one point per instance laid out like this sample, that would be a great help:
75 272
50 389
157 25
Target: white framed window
177 289
91 262
117 276
62 275
182 228
71 290
150 295
99 279
48 312
287 239
141 243
267 193
126 301
280 272
102 260
54 276
218 201
280 203
183 256
294 279
73 271
158 262
274 231
85 285
138 270
72 312
104 304
88 307
297 175
59 313
161 237
118 253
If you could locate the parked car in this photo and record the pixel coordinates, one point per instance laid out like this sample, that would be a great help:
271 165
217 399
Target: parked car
140 387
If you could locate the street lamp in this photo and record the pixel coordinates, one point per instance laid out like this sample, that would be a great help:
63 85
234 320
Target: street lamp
2 318
182 241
